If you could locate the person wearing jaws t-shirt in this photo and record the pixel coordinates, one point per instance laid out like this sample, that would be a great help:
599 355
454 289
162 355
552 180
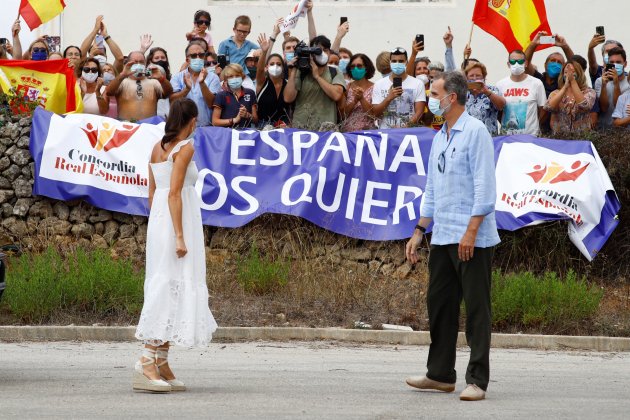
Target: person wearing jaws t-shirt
524 95
398 107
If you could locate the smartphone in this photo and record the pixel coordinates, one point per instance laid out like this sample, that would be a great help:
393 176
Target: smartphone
475 85
419 38
599 30
547 39
222 60
397 82
609 66
342 20
100 41
4 41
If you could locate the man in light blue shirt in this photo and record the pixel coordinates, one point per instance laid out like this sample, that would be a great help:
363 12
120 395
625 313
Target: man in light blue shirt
237 47
196 83
460 198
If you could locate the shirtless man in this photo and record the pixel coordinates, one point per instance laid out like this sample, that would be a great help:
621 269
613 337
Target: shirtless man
136 92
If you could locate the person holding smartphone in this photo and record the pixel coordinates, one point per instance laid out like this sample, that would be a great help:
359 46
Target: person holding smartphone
612 84
399 99
594 69
483 102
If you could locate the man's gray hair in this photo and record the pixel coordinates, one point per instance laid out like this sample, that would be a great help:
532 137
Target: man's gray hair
455 82
436 65
611 41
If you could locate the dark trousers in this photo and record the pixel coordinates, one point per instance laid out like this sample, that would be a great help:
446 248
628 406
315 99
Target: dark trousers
450 280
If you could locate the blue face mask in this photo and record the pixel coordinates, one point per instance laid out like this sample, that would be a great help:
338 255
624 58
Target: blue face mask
343 64
398 68
235 82
554 69
289 56
434 106
357 73
619 68
39 56
605 58
196 64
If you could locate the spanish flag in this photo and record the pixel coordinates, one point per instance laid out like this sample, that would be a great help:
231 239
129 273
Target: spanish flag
513 22
51 83
36 12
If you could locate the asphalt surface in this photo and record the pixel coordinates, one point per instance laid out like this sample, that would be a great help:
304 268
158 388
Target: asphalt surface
270 380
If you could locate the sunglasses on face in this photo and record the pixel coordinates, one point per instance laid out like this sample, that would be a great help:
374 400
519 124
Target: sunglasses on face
356 66
39 50
197 55
90 70
513 61
240 31
211 63
203 22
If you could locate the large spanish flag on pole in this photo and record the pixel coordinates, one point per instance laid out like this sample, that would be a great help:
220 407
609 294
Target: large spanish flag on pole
513 22
51 83
36 12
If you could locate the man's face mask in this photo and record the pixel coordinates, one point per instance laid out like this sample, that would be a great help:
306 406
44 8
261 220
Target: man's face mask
554 69
321 59
138 70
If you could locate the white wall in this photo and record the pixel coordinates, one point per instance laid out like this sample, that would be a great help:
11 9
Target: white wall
375 25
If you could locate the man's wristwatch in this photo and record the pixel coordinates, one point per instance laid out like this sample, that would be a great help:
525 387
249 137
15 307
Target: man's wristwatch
421 229
272 39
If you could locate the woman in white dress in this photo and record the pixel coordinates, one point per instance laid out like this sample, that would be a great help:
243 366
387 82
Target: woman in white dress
175 309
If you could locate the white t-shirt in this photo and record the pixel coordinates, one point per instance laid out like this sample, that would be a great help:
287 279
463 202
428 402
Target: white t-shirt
520 115
401 109
622 105
606 118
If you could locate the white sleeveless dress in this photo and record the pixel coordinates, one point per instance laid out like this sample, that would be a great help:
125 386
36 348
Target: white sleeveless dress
175 306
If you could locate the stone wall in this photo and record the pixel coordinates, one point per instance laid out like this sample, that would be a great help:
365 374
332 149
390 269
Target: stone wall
34 222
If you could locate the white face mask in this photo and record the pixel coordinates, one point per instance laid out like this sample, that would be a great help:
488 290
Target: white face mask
321 59
423 78
274 70
89 77
101 59
107 78
517 69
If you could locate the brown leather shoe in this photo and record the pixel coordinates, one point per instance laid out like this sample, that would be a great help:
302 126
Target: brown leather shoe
472 393
422 382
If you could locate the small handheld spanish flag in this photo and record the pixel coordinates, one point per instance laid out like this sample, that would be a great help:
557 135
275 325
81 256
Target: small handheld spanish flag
513 22
37 12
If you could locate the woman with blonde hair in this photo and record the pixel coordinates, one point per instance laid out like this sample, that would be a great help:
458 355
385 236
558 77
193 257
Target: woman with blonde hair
175 309
235 106
483 101
570 105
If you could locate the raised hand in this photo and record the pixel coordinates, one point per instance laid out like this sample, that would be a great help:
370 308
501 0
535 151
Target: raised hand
417 46
596 40
98 24
263 42
276 27
16 28
145 42
448 38
343 29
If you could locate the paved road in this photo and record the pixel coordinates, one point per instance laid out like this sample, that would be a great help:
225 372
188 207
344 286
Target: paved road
304 380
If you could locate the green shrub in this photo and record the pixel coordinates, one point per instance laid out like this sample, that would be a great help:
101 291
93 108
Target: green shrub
527 300
261 276
79 283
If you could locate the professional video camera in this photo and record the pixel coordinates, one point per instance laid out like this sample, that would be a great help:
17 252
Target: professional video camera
303 53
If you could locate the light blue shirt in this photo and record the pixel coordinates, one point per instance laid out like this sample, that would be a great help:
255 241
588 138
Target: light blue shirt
235 54
466 188
212 81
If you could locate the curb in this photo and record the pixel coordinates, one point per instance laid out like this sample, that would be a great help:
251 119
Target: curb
523 341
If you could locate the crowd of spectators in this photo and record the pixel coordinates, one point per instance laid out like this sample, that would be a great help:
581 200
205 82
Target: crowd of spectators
320 85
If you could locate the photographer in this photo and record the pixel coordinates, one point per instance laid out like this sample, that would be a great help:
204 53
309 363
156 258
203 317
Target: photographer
138 88
313 86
